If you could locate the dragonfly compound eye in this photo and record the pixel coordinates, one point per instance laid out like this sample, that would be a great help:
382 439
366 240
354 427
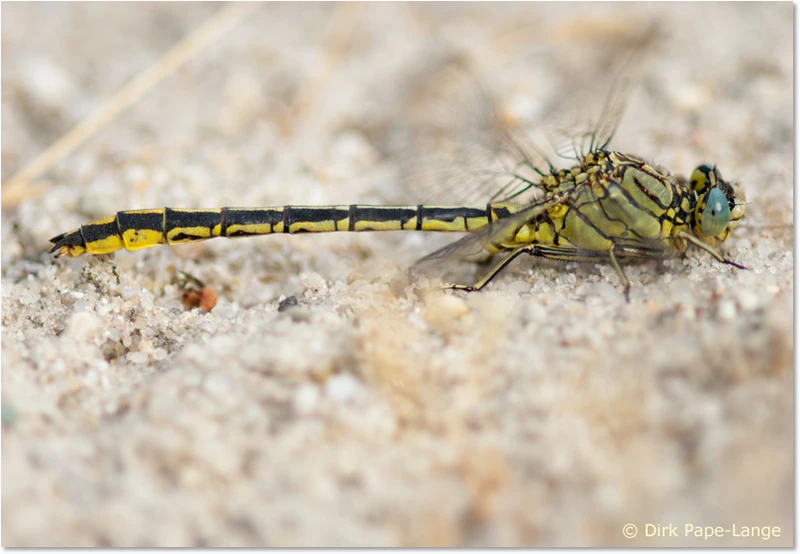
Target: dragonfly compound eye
716 214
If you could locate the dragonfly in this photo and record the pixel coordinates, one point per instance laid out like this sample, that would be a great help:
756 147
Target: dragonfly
607 207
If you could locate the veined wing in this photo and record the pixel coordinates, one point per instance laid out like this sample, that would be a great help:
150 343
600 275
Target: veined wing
460 145
455 148
599 132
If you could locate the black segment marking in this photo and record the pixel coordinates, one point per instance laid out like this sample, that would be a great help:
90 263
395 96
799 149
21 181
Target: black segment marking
141 221
92 232
311 214
450 214
376 214
175 219
501 212
183 237
245 216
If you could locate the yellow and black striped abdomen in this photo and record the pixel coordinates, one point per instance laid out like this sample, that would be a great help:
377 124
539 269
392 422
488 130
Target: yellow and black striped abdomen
136 229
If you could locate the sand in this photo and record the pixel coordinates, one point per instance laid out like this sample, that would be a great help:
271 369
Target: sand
373 409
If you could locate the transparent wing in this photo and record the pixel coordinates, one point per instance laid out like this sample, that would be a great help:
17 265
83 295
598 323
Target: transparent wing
455 147
625 82
576 139
459 144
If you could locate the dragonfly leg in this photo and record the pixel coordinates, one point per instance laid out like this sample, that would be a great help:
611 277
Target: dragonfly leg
618 268
708 248
494 271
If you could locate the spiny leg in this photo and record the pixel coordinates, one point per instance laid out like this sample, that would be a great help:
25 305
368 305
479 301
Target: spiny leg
573 254
494 271
708 248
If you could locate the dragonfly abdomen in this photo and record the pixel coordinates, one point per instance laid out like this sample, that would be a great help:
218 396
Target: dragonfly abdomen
136 229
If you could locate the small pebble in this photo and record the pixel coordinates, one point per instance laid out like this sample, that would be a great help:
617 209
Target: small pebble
342 388
137 357
83 325
305 399
287 303
727 310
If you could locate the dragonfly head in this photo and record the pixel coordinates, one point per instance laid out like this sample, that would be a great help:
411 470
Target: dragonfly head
720 204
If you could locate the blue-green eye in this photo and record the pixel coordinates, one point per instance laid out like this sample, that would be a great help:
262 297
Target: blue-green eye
717 214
